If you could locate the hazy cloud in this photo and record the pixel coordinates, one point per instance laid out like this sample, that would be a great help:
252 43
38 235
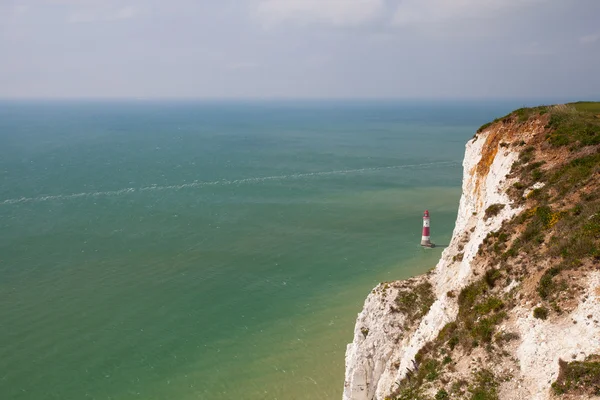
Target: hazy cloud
101 12
587 39
312 48
411 12
533 49
126 13
242 65
336 12
21 9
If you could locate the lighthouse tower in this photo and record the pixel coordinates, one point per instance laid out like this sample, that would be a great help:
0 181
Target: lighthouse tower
426 239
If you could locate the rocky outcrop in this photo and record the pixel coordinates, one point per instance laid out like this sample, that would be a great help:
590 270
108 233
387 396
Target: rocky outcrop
387 339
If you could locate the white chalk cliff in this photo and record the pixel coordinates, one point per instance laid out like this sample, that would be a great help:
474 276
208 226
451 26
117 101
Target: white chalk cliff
385 342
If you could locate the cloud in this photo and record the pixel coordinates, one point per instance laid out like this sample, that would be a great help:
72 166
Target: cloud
334 12
21 9
588 39
244 65
126 13
533 49
94 13
411 12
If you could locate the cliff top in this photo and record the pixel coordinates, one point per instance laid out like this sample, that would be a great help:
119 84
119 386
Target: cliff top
569 123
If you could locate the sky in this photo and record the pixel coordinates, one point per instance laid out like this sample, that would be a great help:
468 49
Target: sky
413 49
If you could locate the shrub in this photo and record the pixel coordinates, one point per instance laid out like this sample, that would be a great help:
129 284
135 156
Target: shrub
578 377
547 286
431 369
493 210
489 305
468 296
526 155
484 329
491 276
416 302
442 395
485 387
540 312
453 342
484 127
536 174
504 337
534 165
523 114
544 214
513 251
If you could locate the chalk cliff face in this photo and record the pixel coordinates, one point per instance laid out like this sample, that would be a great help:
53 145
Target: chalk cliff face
400 319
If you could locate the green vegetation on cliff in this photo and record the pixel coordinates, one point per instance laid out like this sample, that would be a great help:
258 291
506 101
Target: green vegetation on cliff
579 377
575 124
546 251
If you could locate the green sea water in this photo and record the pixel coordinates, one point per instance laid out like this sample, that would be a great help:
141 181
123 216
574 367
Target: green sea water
195 250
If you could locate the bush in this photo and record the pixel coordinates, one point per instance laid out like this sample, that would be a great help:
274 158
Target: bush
523 114
468 296
416 302
442 395
506 337
526 155
540 312
485 327
536 175
486 386
489 305
431 369
491 276
453 342
547 286
578 377
493 210
484 127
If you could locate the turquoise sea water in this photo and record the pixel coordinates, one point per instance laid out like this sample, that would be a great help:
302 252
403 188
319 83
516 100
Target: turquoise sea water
194 250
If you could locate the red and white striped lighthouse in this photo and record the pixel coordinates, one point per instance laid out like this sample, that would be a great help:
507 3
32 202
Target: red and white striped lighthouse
426 239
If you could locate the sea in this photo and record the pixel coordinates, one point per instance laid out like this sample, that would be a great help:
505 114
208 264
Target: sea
212 250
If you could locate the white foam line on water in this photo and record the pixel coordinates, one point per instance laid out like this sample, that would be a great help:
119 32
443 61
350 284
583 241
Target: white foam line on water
225 182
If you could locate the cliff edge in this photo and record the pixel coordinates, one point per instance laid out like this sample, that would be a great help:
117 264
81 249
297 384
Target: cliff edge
512 309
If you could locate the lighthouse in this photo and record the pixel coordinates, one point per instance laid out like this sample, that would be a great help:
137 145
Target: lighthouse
426 239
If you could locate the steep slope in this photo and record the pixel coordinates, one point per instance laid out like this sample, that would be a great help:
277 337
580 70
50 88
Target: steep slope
526 238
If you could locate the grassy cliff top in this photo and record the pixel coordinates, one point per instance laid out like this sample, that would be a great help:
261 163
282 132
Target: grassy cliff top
575 124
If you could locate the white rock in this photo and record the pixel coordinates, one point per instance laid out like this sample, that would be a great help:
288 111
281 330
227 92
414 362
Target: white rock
369 371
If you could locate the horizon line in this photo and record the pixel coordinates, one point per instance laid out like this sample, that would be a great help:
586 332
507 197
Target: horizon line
554 99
